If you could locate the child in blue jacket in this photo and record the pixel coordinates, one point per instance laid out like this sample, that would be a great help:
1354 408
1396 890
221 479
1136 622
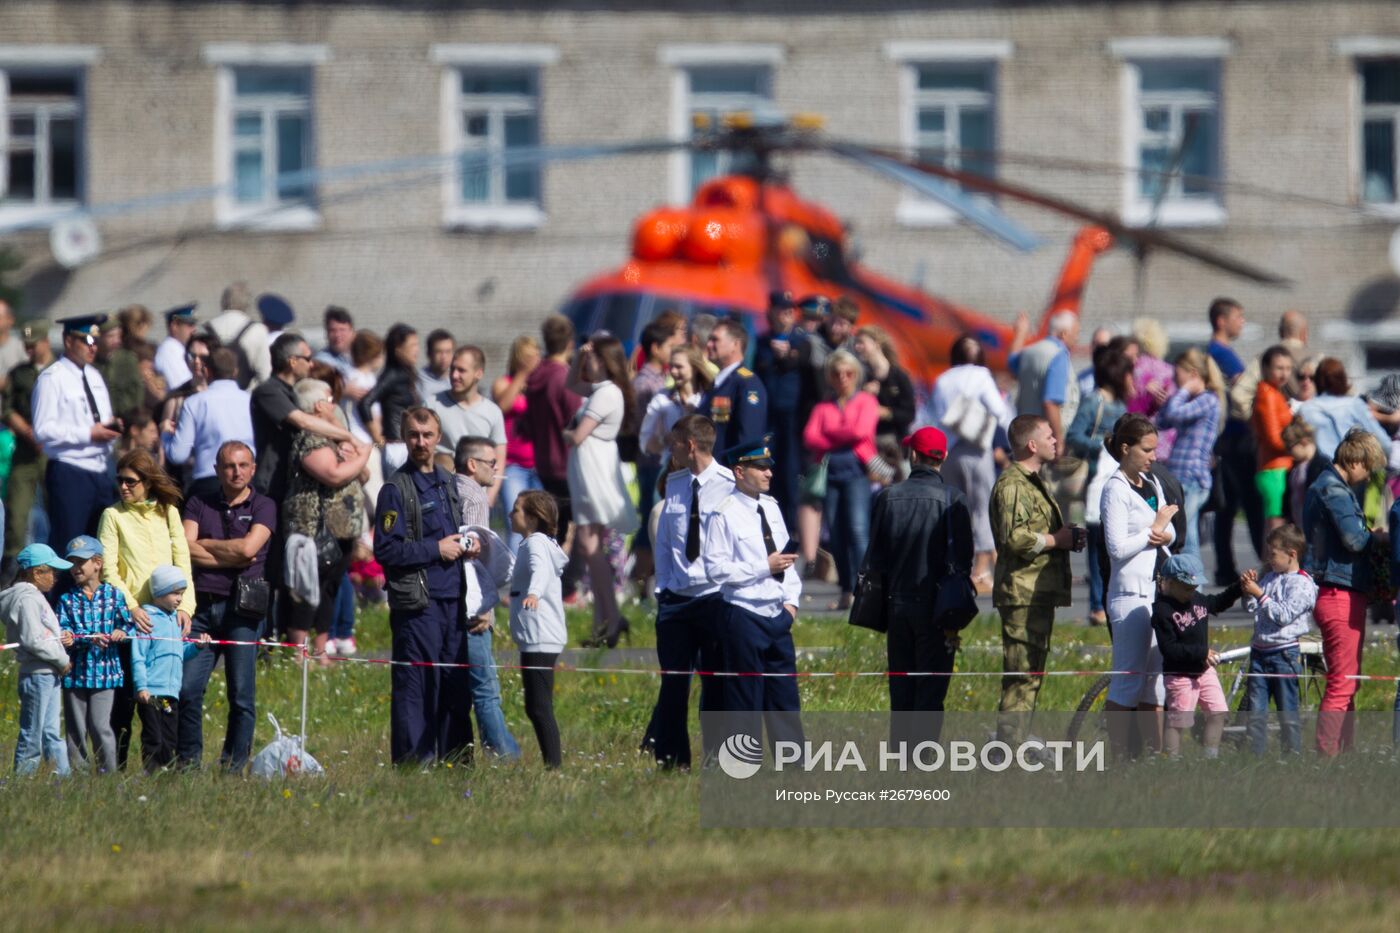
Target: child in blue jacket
158 666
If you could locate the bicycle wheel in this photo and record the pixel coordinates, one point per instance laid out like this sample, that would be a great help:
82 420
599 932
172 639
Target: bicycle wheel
1092 697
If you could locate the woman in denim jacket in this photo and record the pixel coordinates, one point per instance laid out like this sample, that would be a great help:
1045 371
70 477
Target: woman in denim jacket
1338 558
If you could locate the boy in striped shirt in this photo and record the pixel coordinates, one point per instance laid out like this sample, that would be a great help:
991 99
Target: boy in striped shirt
96 614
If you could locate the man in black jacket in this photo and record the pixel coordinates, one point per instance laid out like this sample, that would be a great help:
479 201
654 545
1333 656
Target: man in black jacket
914 526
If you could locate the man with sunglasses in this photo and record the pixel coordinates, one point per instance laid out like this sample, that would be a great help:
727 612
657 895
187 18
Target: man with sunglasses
277 416
75 428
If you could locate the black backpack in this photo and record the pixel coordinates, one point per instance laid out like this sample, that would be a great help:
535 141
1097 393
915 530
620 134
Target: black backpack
245 366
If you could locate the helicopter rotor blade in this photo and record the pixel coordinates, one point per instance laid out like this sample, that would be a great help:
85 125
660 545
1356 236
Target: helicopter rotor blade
412 170
1142 238
976 211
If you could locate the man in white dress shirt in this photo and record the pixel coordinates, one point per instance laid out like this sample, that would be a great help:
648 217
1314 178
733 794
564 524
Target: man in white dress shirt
170 355
688 605
73 423
745 553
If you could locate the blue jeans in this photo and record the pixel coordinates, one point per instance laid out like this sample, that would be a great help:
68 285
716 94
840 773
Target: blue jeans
486 697
1091 557
343 618
847 513
240 669
1283 690
1195 497
40 703
517 480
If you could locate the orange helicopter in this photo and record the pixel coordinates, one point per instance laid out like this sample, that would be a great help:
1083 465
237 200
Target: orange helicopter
747 236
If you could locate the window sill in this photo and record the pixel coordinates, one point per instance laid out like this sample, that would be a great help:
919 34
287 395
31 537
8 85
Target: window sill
1383 209
42 215
507 218
292 219
1176 214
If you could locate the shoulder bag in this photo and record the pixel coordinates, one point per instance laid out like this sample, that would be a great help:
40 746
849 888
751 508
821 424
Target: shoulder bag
868 607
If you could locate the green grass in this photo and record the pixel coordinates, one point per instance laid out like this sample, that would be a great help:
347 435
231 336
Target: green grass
608 842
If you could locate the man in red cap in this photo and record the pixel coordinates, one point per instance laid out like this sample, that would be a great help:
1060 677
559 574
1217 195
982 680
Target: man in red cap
920 536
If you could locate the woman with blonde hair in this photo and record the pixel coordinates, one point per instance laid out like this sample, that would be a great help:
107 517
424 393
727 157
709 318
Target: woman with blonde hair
1194 412
690 380
842 430
508 392
141 532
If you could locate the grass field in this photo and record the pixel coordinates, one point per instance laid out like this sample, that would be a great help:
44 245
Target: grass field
609 842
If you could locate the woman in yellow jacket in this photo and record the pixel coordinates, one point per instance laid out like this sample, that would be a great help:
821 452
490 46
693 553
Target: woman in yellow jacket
141 532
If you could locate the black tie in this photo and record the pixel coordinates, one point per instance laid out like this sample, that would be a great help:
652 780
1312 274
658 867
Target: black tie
92 399
692 532
768 544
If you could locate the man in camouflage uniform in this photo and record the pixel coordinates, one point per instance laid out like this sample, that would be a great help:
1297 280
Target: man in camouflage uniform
120 370
1032 577
27 467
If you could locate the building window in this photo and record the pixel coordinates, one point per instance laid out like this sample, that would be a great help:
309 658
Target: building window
498 113
714 91
271 133
1380 130
954 118
264 134
42 138
1172 129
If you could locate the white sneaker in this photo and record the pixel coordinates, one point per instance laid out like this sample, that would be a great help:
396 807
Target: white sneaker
332 647
345 647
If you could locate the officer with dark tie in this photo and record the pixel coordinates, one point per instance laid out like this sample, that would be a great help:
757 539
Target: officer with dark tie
75 428
737 402
688 605
744 552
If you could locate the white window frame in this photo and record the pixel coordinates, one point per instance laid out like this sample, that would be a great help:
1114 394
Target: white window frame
1363 49
74 60
228 57
1134 52
913 54
682 58
457 59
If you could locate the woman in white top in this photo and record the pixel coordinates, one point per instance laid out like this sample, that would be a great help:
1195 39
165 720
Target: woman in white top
597 488
969 394
690 380
1137 530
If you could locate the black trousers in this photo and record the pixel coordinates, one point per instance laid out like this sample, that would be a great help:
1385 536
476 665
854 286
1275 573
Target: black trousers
160 722
688 633
123 707
573 570
1238 463
914 645
539 703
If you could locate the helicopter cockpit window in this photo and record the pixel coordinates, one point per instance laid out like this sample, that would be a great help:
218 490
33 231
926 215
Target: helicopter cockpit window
618 315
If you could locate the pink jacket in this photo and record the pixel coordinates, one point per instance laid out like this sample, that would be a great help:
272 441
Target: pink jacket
832 427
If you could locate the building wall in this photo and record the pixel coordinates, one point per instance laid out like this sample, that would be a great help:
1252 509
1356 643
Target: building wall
1288 121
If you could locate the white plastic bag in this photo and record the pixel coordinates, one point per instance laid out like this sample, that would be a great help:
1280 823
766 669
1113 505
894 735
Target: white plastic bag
284 755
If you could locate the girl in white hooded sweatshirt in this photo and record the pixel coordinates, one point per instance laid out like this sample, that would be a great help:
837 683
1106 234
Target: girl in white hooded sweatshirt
1137 525
537 612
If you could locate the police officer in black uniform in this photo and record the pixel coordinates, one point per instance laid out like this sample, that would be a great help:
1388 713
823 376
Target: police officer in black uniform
738 402
420 548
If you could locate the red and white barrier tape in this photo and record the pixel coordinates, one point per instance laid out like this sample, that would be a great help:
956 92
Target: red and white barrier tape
654 672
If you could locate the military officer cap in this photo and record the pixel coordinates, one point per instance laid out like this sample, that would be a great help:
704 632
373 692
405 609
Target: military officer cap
276 311
86 325
184 313
33 333
754 452
110 324
778 300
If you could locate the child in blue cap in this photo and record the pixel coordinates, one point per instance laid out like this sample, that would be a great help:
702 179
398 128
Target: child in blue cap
95 614
43 661
158 667
1188 664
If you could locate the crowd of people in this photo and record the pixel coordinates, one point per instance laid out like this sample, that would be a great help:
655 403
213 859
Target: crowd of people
169 504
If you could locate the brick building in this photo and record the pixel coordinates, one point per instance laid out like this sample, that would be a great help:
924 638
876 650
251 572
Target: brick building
1295 104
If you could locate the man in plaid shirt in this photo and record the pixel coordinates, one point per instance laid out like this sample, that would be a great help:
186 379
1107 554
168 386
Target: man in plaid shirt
96 614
